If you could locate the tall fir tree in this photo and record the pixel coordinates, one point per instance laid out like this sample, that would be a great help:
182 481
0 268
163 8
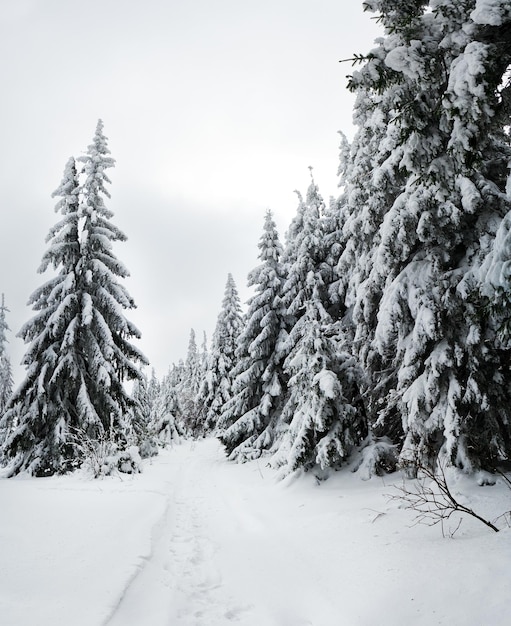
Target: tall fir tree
188 389
325 423
139 426
248 420
438 381
371 179
305 254
165 423
217 386
6 380
80 352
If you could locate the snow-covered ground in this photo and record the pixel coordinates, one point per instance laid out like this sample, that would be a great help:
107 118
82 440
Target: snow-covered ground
198 541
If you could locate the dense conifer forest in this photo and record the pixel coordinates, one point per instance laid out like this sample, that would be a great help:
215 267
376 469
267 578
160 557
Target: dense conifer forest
379 325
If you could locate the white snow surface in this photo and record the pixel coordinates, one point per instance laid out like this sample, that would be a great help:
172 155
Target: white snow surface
196 540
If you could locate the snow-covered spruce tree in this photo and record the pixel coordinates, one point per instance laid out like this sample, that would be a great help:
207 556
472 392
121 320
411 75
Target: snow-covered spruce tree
201 409
248 420
493 30
38 429
306 269
203 355
440 380
305 253
188 390
140 395
217 385
290 257
153 390
371 178
325 423
6 380
80 352
166 412
334 216
141 413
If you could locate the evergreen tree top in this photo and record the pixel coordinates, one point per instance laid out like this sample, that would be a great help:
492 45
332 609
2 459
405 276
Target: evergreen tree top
3 308
396 14
231 298
314 200
67 189
191 356
3 324
99 145
296 223
270 248
96 162
230 320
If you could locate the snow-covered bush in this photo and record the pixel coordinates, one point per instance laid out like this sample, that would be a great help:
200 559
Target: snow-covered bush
148 447
102 456
376 457
126 461
165 431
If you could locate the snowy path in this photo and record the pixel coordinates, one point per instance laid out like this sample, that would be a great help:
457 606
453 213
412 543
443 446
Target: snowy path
198 541
236 547
219 555
180 582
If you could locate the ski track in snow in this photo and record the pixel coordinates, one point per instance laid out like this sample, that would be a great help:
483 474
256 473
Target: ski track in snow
178 584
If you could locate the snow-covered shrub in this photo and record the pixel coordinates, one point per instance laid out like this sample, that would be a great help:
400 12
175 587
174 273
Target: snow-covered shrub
102 456
126 461
165 430
148 448
106 461
377 457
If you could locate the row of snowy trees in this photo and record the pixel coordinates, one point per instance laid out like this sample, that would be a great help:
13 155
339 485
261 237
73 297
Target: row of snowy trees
422 271
386 317
383 321
293 384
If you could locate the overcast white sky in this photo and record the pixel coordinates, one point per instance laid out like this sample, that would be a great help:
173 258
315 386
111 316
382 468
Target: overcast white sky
214 109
